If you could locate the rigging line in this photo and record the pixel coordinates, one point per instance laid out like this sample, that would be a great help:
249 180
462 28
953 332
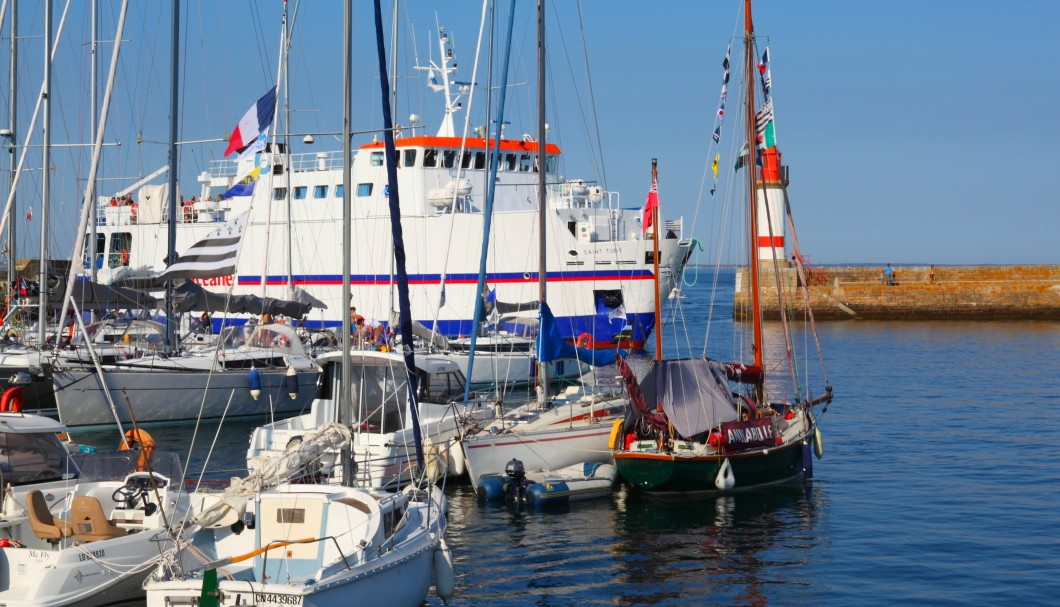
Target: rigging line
592 98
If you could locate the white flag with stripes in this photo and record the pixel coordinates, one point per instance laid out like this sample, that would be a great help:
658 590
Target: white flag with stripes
214 255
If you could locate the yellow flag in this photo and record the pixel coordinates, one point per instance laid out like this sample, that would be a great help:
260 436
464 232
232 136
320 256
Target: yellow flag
714 165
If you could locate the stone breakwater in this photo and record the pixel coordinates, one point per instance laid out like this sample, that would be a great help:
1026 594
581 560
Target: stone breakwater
919 293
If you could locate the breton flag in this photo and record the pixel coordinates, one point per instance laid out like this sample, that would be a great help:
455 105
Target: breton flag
764 125
650 205
212 256
254 122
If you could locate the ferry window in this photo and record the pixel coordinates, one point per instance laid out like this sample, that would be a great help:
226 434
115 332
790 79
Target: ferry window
299 192
279 194
320 191
410 158
101 246
377 159
465 160
448 159
120 245
364 189
525 163
430 158
480 160
338 191
551 160
509 162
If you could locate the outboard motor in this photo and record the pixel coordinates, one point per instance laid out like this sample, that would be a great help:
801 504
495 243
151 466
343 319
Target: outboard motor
516 484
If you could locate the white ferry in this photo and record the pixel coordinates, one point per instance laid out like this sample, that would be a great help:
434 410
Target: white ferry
599 262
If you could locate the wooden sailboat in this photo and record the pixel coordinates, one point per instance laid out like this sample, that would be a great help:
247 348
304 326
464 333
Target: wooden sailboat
690 431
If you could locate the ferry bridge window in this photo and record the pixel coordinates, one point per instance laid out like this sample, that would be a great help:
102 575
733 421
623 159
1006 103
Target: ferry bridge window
465 160
551 163
377 159
364 189
525 163
509 162
338 191
320 191
448 159
120 245
410 158
430 158
101 246
279 194
480 160
300 192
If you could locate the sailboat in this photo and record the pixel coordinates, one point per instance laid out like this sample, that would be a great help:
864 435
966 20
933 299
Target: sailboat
689 431
552 432
282 542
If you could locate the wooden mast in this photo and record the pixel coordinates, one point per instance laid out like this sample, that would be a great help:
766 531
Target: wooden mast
752 152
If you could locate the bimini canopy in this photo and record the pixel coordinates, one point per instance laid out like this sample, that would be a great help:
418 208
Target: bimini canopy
694 393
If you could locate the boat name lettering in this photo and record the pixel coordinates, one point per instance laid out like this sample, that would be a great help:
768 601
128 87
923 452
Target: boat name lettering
39 555
92 554
277 599
600 250
216 281
752 434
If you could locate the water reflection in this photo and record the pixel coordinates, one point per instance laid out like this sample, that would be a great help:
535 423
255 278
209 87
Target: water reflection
738 549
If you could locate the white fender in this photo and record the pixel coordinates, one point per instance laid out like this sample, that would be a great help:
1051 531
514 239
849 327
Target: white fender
457 459
444 579
436 461
725 479
818 443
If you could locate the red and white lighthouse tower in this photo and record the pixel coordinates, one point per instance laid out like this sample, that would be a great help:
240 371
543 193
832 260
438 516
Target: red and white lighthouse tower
771 199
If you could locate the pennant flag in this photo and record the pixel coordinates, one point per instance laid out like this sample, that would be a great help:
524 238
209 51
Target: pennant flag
721 109
713 188
250 169
214 255
432 81
717 135
650 205
725 66
714 165
29 214
764 62
742 159
254 122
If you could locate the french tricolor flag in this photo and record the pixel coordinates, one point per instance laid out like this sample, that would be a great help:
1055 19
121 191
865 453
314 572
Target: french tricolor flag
254 122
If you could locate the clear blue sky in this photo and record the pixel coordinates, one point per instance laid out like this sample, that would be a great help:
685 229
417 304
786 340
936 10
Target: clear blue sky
915 132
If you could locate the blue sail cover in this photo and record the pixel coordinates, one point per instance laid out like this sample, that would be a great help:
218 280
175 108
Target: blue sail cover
550 346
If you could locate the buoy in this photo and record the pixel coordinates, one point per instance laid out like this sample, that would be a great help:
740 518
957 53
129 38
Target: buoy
444 582
141 440
292 382
584 341
436 461
255 383
818 443
11 400
725 479
616 431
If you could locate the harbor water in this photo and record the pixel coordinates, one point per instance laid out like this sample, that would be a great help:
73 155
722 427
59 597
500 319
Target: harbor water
939 485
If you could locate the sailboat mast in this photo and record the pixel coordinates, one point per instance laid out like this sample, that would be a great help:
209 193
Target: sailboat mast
42 310
174 100
542 167
12 249
655 260
752 151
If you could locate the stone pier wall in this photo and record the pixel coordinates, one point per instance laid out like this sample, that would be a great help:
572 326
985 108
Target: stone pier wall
955 292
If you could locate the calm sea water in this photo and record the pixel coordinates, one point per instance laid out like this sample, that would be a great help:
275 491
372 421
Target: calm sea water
940 485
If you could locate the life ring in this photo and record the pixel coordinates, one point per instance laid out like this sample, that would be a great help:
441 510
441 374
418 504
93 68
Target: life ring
616 432
145 443
11 400
124 255
584 341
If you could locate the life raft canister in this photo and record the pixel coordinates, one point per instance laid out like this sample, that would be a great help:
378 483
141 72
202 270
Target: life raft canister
584 341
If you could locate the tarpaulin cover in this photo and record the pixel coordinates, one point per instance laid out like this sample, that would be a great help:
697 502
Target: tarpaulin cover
94 296
191 297
550 346
694 394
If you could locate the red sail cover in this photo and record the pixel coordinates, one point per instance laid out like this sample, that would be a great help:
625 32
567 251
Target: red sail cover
636 396
743 435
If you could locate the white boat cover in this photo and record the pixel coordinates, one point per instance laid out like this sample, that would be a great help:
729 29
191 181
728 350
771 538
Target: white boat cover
274 470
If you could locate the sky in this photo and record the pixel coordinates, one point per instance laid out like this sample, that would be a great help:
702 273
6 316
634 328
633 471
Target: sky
915 132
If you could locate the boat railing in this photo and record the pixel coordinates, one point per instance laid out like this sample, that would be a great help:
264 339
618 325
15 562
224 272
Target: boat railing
300 163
